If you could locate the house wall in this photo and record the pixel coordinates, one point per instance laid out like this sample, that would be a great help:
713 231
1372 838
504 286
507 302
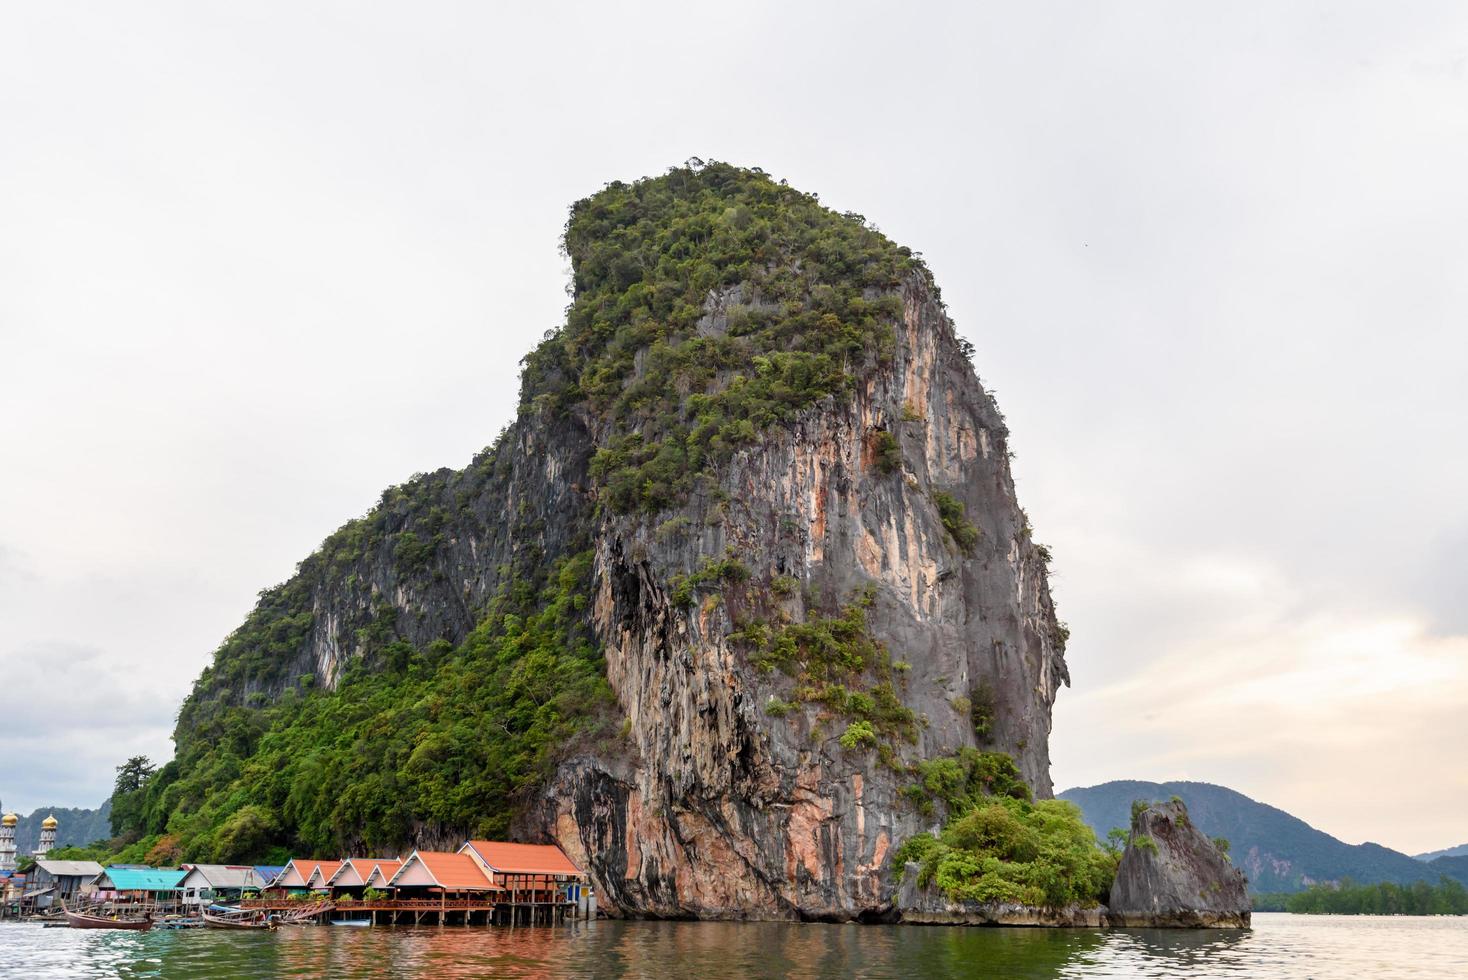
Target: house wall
414 873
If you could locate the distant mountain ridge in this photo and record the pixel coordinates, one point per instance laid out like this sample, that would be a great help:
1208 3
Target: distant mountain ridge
74 825
1453 867
1279 852
1448 852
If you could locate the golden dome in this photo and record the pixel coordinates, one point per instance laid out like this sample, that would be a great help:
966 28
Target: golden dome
49 823
10 820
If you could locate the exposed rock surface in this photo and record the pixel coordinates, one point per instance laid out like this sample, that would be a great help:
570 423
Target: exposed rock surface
730 812
1173 876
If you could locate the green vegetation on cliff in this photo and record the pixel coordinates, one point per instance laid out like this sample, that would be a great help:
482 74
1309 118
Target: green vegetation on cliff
710 304
999 846
965 781
1010 850
955 521
838 664
446 737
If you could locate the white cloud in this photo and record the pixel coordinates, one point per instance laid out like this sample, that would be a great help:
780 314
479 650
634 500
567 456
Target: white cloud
1353 709
79 713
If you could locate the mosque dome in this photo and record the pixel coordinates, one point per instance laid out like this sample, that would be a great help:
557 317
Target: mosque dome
9 820
49 823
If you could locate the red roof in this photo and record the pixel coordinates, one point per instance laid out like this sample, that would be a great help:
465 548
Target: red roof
361 866
454 872
300 867
386 868
524 859
326 869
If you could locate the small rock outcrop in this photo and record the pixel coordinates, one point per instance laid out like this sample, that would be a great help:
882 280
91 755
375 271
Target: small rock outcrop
1173 876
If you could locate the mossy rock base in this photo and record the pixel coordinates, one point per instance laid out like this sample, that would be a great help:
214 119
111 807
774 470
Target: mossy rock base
930 907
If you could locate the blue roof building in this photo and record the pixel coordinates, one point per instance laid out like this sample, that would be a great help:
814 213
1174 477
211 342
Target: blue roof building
269 872
120 878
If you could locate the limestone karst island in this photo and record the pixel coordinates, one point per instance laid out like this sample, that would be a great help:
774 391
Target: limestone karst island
740 618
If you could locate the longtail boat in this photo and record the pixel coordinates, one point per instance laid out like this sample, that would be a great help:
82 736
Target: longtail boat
87 920
256 921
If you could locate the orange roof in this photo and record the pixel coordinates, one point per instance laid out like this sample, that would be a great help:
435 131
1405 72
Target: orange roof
386 868
295 866
524 859
325 869
454 872
361 866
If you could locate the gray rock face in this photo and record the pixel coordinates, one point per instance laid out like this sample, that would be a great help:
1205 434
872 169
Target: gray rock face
724 810
1173 876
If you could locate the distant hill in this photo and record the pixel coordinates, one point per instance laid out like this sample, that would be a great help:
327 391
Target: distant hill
1455 866
74 826
1279 852
1448 852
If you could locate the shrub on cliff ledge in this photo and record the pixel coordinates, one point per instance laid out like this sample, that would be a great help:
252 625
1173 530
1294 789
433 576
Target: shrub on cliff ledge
886 452
966 780
1009 850
955 521
837 662
858 734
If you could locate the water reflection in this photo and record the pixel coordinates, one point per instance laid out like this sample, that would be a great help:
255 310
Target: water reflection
1172 952
1281 945
1186 947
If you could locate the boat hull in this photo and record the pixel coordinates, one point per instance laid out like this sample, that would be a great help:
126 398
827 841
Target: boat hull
81 920
226 922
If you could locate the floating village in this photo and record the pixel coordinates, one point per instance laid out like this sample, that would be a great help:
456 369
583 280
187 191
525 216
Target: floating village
483 883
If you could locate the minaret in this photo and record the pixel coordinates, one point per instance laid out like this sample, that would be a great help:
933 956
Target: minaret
48 837
7 841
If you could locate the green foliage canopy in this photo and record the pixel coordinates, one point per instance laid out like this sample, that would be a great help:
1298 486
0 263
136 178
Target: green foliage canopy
448 736
1447 897
1010 850
710 304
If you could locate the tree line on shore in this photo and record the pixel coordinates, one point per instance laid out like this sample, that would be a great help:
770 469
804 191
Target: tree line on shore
1447 897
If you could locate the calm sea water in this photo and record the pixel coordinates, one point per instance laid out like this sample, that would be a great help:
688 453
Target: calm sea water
1279 945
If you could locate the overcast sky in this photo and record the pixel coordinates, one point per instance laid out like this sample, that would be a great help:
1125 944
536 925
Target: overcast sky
260 261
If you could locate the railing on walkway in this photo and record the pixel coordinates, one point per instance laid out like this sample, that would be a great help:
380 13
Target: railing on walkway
380 904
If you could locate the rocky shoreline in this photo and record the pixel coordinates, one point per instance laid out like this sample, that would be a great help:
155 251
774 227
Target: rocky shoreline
928 907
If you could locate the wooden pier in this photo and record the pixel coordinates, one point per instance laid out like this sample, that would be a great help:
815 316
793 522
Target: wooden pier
482 883
472 911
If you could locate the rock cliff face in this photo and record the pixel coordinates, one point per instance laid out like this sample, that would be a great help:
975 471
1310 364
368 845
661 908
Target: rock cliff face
1173 876
744 783
726 810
